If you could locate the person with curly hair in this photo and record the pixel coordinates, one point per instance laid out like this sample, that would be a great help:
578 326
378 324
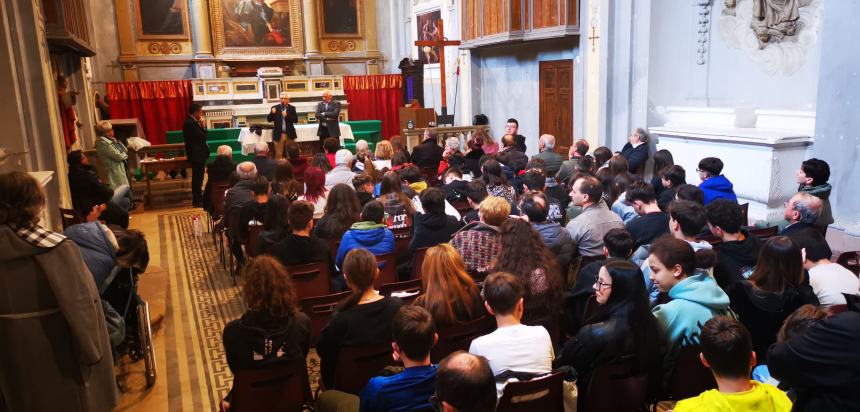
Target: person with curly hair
273 330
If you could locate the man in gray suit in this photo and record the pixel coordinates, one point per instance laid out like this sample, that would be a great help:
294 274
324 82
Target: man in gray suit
327 114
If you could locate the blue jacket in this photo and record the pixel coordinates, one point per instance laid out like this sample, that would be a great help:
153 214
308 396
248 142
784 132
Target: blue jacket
718 187
96 248
376 238
695 300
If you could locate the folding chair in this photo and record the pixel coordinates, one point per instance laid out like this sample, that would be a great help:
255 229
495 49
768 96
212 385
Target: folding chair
413 287
282 388
357 364
310 279
387 265
320 309
539 394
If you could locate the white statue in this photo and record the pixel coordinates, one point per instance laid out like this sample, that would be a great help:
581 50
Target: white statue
774 19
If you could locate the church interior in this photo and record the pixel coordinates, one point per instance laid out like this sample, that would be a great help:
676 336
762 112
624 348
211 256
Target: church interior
193 139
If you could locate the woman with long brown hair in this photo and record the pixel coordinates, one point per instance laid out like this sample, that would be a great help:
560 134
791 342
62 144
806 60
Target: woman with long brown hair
772 293
524 255
342 209
397 204
363 318
284 183
273 330
450 294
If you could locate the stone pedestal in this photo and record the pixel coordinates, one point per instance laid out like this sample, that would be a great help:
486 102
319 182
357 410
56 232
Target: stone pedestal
761 150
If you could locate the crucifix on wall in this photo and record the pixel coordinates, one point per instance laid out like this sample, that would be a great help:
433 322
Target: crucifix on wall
440 41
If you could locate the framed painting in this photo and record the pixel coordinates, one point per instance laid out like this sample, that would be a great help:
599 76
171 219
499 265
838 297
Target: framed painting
253 28
162 19
427 26
340 18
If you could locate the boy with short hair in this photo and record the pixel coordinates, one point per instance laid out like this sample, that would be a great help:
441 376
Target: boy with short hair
727 351
363 185
714 185
812 178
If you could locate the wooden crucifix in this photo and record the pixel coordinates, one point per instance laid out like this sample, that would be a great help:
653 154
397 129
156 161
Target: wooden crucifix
440 41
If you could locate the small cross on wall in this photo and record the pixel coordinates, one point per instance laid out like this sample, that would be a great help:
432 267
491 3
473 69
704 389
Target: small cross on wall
593 37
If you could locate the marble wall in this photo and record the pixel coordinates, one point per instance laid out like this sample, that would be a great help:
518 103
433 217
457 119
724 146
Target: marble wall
505 79
837 130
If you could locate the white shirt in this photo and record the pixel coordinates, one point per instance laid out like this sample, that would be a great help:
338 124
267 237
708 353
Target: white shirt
830 281
518 348
319 205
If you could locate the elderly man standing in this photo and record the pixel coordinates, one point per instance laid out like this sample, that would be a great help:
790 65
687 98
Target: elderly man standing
553 160
328 112
342 172
801 212
196 150
285 117
587 229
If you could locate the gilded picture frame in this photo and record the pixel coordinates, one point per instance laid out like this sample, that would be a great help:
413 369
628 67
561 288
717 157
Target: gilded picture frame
162 20
340 18
248 29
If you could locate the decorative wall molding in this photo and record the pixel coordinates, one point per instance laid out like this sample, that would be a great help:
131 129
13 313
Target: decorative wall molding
164 47
341 45
704 25
778 55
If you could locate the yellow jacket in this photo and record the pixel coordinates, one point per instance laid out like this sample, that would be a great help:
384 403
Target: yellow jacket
761 398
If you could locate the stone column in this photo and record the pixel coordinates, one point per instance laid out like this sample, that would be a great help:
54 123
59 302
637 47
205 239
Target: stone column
369 15
309 15
200 29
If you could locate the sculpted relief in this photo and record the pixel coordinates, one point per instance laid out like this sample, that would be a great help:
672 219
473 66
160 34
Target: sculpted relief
772 20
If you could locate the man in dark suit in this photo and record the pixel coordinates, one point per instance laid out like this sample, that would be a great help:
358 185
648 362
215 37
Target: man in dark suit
801 212
327 113
196 150
285 117
427 154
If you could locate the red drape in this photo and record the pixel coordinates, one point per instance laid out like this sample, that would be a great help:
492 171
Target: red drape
160 105
375 97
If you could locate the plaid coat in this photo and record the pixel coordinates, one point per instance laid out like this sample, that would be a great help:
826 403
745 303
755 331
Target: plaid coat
478 243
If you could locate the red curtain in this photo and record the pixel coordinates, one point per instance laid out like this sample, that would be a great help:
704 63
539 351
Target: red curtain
375 97
159 105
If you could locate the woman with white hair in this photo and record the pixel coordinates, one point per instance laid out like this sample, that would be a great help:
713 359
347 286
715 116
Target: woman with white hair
218 172
113 155
452 156
362 153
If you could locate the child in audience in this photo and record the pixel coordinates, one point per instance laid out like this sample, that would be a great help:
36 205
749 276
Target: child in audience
398 207
450 294
714 185
652 222
830 281
727 352
433 226
414 334
342 209
737 251
300 246
695 297
363 185
620 328
363 318
476 192
370 233
670 180
812 178
513 347
273 330
774 291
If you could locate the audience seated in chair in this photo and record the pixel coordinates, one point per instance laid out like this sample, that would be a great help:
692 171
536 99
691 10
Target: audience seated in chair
342 210
273 330
450 294
812 178
523 254
497 184
513 347
364 317
300 246
88 192
315 190
464 383
622 326
817 358
285 183
453 185
342 172
535 207
479 242
670 180
714 185
636 151
427 154
617 245
695 297
587 229
398 206
476 192
546 149
801 212
727 350
576 152
511 156
737 252
414 334
265 164
775 289
433 226
370 233
663 160
217 171
452 157
363 185
534 180
830 281
241 192
685 221
299 163
276 226
652 222
255 209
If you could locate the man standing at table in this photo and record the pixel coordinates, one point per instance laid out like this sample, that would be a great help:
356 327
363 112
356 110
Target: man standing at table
327 113
285 117
196 150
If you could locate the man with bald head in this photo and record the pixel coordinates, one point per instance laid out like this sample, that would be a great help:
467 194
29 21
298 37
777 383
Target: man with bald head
801 212
265 164
241 192
511 156
465 382
553 160
327 113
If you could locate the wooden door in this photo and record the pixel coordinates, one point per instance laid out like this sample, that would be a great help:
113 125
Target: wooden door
556 102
